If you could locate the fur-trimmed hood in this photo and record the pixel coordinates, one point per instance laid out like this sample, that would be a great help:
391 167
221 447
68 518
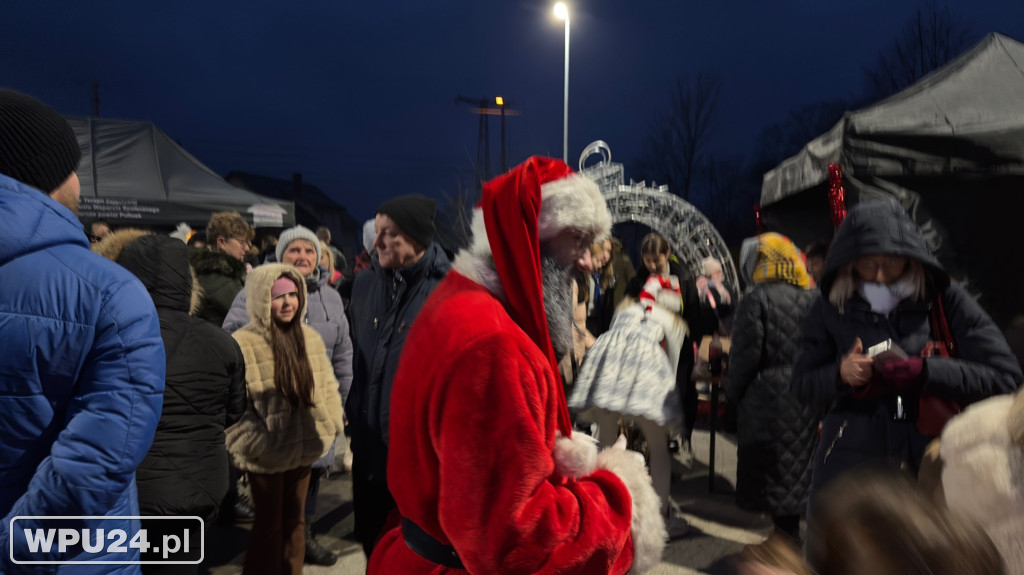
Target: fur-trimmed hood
161 265
983 471
258 298
210 261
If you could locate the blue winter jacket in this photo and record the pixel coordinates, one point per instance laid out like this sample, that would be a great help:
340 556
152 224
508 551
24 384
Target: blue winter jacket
81 379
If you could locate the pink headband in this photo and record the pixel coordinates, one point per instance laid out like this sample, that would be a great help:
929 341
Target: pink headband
283 285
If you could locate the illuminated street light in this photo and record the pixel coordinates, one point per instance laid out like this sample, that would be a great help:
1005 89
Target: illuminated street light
562 12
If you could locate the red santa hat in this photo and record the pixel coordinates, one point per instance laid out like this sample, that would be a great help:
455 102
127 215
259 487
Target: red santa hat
530 204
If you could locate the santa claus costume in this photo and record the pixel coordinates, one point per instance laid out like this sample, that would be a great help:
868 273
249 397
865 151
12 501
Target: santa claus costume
485 470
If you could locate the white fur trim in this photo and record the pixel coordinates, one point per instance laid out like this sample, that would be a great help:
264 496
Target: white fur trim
1016 419
573 202
476 263
983 475
575 456
369 234
648 525
710 265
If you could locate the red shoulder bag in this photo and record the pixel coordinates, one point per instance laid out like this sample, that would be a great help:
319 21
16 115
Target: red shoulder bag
933 412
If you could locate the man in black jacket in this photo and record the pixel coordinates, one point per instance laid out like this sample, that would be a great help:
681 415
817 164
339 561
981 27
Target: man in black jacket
385 300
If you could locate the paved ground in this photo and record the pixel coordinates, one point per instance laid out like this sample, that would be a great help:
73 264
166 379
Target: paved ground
719 528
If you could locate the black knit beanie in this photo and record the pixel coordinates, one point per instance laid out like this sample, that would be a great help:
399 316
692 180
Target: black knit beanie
37 145
414 214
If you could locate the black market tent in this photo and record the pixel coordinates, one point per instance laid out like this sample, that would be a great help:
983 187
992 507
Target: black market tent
950 148
134 174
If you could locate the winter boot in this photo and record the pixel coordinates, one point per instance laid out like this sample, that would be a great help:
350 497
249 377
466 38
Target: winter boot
315 554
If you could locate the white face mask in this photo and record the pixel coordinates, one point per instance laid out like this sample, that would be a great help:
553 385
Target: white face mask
885 297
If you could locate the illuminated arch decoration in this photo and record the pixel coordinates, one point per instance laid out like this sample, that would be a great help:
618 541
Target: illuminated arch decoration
691 234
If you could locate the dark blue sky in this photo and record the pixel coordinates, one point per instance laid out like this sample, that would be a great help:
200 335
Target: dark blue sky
360 96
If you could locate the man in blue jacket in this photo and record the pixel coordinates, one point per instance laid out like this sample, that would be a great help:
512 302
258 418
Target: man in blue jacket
386 298
82 369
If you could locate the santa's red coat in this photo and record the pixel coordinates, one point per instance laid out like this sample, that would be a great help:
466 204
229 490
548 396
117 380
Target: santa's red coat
473 428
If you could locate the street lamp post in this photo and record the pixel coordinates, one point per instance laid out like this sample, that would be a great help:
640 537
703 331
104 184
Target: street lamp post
562 12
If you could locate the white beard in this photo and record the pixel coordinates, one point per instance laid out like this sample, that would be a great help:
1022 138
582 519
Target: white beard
558 304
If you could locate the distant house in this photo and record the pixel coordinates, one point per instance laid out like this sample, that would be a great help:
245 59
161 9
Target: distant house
313 208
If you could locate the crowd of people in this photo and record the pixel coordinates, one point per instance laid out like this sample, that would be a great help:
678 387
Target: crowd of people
152 374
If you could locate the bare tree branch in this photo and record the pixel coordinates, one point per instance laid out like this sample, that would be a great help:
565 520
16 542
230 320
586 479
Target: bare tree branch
678 139
929 41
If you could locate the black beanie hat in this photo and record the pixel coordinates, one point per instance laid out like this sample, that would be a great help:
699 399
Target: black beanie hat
414 214
37 145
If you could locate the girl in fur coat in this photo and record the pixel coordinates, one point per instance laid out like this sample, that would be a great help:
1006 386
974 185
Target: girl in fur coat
292 418
630 372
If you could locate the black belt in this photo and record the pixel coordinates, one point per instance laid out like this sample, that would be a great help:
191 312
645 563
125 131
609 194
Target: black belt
429 548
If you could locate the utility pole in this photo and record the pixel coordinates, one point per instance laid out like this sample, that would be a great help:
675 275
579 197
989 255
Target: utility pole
483 146
504 157
483 149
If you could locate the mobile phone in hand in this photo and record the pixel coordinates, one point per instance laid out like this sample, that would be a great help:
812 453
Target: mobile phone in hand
885 351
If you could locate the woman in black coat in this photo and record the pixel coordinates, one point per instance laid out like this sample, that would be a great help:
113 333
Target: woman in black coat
776 433
186 469
881 283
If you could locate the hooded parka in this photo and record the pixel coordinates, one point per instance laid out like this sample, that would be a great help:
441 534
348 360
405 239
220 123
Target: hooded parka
882 429
221 277
325 313
186 469
272 436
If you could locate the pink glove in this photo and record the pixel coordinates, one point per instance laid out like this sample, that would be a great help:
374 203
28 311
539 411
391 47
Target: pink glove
903 374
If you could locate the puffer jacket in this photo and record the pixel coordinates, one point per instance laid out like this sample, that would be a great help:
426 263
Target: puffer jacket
81 378
221 277
776 433
186 470
864 431
384 305
325 313
273 437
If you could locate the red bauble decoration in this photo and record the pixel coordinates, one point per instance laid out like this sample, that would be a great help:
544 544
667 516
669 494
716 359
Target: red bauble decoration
836 194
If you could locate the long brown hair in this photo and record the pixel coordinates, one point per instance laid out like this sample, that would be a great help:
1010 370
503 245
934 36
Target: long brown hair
293 375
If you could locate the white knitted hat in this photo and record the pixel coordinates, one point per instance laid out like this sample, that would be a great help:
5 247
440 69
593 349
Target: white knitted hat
297 233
